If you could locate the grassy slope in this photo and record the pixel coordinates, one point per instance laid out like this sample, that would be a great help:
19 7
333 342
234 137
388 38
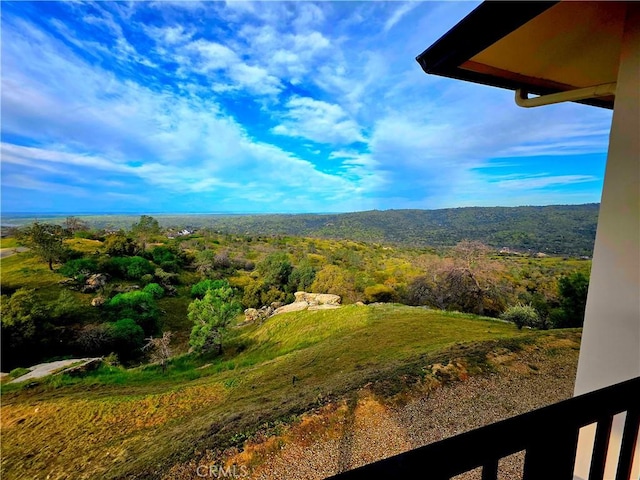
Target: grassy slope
8 242
26 270
114 423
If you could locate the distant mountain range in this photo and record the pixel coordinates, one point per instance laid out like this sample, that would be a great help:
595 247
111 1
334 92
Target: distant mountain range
554 229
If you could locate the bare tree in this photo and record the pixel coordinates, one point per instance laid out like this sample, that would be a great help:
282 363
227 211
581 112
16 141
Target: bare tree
159 348
468 282
74 224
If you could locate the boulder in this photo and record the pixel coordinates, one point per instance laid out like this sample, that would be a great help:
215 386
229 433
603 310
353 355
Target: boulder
251 315
292 307
97 301
94 282
318 298
324 306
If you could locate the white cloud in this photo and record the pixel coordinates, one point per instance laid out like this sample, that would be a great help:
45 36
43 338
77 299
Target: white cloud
319 121
395 132
528 182
169 35
398 14
212 55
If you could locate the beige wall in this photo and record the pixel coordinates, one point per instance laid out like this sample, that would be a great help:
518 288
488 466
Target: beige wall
610 351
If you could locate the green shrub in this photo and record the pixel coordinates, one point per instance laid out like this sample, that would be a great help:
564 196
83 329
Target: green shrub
120 245
573 299
133 268
379 293
126 338
154 289
79 268
163 254
273 295
165 278
138 267
139 306
200 289
522 316
18 372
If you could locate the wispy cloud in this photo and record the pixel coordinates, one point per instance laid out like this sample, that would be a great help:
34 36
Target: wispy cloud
541 181
398 14
318 121
268 106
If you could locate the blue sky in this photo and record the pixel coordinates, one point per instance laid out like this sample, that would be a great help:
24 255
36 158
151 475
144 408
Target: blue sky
151 107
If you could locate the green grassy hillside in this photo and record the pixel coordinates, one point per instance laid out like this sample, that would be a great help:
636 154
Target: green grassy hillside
113 423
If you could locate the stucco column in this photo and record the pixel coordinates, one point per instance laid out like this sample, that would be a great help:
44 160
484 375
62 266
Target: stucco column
610 350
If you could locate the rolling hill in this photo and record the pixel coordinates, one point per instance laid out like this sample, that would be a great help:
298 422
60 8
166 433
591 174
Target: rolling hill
555 229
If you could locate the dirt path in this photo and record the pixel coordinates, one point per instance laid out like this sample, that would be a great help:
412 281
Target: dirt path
6 252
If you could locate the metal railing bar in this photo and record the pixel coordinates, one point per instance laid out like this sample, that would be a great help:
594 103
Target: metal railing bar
629 439
600 448
490 470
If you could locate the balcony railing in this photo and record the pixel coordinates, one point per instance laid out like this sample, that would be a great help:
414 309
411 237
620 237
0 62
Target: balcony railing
549 437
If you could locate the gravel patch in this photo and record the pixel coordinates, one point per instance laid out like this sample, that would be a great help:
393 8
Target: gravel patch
372 430
365 428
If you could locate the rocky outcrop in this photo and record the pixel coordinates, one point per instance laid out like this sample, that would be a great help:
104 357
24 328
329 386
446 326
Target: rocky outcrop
326 306
303 301
318 298
94 283
259 315
311 301
292 307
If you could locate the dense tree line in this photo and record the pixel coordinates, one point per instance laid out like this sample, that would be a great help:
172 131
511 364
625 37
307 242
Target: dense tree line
554 229
214 276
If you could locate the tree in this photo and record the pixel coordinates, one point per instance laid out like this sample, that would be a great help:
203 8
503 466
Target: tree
523 316
205 262
336 280
75 225
467 282
200 289
160 349
126 338
139 306
211 317
146 228
46 241
120 245
302 276
25 326
275 270
573 299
